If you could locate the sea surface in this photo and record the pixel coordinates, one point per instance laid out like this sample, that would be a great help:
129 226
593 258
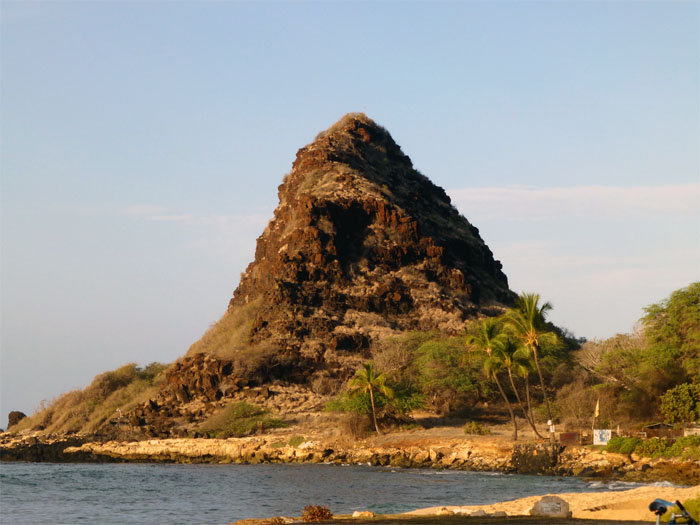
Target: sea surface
216 494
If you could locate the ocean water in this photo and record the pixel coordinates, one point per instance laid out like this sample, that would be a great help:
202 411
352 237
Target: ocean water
216 494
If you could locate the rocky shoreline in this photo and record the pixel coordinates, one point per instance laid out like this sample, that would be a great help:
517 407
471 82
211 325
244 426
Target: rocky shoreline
463 454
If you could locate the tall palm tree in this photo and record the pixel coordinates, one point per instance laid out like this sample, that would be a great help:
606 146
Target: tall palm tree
516 360
369 380
527 320
489 338
493 364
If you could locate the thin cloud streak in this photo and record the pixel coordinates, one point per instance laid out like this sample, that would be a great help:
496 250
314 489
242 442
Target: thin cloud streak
523 203
231 237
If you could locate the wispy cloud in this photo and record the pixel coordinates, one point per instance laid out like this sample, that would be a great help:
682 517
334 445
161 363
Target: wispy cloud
518 203
228 236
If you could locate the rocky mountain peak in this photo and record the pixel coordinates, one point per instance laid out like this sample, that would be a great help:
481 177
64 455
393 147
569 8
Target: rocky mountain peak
361 246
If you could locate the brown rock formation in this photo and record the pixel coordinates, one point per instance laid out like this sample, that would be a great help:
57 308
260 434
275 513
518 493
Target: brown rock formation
15 417
361 246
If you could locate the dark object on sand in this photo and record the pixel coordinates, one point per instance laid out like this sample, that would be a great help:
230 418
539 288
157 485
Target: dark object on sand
661 506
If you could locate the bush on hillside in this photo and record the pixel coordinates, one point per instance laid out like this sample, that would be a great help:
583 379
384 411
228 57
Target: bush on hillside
687 447
238 420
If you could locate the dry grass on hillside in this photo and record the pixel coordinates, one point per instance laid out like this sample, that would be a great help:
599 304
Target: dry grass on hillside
229 335
86 410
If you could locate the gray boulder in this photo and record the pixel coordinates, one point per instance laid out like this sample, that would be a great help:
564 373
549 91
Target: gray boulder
551 507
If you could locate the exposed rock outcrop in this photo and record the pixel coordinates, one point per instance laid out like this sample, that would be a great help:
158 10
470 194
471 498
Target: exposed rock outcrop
15 417
361 246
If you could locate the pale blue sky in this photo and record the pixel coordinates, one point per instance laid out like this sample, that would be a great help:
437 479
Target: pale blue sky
143 143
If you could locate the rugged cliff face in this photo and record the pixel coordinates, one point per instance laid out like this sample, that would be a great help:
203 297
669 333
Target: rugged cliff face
361 246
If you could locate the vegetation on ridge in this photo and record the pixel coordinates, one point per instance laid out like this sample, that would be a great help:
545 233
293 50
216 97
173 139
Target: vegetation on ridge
640 377
109 394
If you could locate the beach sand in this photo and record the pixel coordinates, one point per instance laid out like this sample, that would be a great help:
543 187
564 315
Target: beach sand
588 508
628 505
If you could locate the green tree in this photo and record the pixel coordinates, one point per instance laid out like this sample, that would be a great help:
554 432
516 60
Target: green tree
527 321
672 329
446 373
682 403
489 339
488 335
494 364
516 361
368 380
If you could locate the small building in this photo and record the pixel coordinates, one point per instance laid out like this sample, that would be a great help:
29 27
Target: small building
662 430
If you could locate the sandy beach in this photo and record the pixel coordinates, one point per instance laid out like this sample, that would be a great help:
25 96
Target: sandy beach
629 505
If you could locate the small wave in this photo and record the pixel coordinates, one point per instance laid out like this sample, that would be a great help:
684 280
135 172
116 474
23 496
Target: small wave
614 485
664 484
626 485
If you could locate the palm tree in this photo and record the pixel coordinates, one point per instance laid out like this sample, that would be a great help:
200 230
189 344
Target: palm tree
527 320
489 338
493 364
516 360
370 381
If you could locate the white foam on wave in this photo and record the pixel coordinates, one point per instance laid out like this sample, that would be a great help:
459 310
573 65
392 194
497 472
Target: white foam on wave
626 485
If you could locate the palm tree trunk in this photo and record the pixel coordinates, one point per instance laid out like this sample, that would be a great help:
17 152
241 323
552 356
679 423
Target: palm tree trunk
374 412
539 373
520 403
529 405
510 409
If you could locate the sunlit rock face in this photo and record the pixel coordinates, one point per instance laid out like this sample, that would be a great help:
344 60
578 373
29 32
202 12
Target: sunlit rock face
361 246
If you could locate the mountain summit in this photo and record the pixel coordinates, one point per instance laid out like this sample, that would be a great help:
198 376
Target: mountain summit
362 246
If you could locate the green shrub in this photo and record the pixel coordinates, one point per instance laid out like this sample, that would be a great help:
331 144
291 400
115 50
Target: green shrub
686 447
652 448
237 420
296 441
622 445
472 427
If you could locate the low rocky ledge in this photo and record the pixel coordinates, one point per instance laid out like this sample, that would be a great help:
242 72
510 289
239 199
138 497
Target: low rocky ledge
50 449
464 454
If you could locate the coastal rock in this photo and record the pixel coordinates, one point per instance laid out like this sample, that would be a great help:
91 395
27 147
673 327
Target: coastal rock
535 458
551 507
14 417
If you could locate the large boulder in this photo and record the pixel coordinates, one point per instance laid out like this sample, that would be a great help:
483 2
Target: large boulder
551 507
15 417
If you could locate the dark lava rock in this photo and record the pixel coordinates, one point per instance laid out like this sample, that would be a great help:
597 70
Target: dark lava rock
15 417
361 244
